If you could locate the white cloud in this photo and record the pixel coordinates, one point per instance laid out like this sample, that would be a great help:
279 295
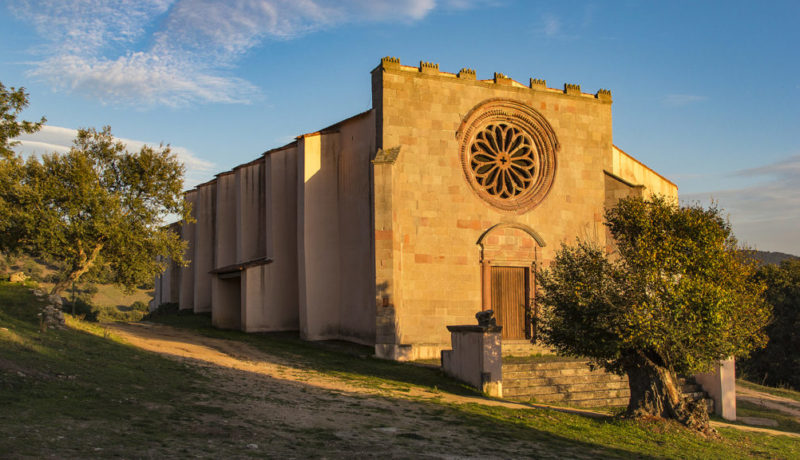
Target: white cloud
681 100
176 52
59 139
766 215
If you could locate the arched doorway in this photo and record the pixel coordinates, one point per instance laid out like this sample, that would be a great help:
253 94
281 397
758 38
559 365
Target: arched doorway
508 260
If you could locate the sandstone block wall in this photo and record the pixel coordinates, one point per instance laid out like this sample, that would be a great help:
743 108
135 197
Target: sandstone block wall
428 219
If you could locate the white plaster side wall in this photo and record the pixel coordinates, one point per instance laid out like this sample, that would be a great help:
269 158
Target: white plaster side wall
270 291
226 234
266 306
251 211
357 303
186 295
334 226
173 295
203 261
225 300
226 303
630 169
158 289
318 236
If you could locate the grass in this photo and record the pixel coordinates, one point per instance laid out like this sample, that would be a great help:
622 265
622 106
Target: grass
785 422
82 393
782 392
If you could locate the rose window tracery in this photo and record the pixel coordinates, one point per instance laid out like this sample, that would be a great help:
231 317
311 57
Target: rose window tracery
502 160
508 153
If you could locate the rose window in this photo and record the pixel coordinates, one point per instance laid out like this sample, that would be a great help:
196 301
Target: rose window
502 160
508 153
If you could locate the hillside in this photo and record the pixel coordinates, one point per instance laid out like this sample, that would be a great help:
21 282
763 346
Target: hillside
106 296
769 257
177 388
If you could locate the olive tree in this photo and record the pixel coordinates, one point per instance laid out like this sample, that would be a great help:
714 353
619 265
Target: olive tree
98 206
12 102
675 297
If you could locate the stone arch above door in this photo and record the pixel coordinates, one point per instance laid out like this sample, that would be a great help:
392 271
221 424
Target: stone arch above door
510 242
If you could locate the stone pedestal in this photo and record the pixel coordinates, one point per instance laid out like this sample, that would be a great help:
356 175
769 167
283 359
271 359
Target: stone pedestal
476 357
721 386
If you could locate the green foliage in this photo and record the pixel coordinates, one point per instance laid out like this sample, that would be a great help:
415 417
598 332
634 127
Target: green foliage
12 102
779 363
97 208
677 291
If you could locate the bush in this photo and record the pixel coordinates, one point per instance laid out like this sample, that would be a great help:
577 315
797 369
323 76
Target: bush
94 313
165 309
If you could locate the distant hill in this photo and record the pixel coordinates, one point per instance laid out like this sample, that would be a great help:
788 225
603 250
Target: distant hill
769 257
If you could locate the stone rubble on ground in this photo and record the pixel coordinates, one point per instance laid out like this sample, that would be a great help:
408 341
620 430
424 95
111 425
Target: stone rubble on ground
51 314
18 277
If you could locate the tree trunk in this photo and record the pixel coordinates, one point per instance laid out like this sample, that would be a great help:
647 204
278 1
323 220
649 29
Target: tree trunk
77 272
656 392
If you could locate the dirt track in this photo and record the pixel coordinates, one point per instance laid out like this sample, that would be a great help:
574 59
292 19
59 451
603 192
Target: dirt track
284 411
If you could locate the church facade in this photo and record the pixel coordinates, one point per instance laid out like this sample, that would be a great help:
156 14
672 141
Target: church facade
386 227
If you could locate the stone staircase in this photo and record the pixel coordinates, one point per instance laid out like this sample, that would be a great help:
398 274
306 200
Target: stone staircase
572 382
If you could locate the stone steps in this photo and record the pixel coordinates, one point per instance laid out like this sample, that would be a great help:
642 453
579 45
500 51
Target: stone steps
572 382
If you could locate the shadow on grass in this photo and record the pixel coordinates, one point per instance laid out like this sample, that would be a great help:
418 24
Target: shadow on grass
338 358
81 395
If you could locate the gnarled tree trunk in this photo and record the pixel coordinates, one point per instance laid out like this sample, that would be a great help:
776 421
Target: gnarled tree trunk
85 264
656 392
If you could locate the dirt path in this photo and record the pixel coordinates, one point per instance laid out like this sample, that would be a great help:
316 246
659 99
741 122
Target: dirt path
271 404
276 404
777 403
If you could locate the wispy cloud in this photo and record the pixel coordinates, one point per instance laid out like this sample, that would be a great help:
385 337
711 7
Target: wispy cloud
176 52
551 26
681 100
767 214
59 139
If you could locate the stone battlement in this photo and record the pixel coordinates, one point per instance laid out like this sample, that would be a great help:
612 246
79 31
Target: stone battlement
390 63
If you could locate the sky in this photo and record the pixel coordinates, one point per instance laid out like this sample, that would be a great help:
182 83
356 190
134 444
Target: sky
706 93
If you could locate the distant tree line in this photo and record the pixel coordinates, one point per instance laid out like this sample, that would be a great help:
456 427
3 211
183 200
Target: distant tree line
779 363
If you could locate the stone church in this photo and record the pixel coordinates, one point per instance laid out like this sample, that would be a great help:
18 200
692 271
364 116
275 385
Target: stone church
388 226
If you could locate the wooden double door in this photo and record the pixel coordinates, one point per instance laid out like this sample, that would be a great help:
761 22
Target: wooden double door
510 297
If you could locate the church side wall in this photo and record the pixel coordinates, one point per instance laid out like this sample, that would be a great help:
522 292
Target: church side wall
318 236
270 292
203 261
632 170
225 303
436 216
186 295
356 313
250 211
334 231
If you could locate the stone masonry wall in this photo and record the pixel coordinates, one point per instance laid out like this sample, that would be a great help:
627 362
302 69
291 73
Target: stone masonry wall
434 218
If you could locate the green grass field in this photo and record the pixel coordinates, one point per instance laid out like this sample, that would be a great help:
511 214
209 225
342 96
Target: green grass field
82 393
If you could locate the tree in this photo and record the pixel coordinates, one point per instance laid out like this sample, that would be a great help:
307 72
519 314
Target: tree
674 298
96 207
779 363
12 102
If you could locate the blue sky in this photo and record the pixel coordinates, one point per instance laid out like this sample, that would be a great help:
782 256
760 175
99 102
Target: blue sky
706 93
